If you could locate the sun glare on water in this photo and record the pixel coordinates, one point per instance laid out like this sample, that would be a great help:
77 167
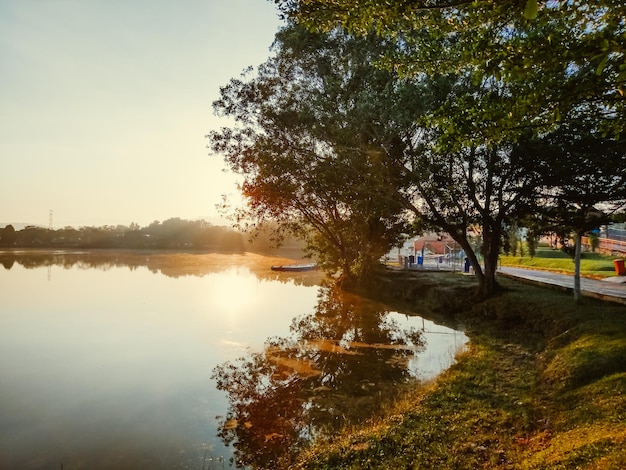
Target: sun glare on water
233 293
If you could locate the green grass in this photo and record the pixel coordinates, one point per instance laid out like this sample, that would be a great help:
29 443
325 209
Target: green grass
542 386
591 264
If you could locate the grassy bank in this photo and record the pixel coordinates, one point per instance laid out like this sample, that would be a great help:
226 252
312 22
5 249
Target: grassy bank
542 386
591 264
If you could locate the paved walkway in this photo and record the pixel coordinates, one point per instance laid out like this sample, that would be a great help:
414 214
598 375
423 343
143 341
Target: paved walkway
612 288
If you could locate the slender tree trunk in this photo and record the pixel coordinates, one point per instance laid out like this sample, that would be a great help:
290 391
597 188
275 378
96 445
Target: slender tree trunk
577 254
490 284
491 251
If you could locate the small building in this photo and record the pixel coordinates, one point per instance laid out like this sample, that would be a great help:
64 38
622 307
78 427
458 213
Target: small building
440 244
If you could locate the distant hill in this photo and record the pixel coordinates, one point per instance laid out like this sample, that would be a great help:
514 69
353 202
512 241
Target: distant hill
17 225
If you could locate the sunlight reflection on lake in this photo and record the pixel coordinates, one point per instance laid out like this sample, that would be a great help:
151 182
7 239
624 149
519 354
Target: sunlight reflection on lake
106 359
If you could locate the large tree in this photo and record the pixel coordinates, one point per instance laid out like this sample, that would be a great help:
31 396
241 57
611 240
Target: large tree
534 66
583 175
331 143
467 187
316 134
471 193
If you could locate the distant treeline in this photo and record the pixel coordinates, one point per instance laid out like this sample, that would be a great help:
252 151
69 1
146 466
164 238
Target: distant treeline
173 233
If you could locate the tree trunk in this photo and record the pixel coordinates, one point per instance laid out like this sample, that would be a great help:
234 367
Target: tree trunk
577 254
462 240
491 251
490 285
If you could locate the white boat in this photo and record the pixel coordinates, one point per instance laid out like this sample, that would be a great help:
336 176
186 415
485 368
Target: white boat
295 267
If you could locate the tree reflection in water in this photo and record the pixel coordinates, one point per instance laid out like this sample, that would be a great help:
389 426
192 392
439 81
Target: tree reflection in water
170 264
333 370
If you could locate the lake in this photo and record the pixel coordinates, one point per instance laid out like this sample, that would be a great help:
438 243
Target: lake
126 360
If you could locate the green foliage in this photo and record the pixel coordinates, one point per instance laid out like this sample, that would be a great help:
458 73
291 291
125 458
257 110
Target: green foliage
521 66
531 10
579 169
317 135
521 69
556 59
439 125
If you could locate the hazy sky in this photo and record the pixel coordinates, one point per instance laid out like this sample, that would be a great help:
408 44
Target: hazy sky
104 105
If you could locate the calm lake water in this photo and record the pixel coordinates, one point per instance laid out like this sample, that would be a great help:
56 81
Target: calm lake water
197 361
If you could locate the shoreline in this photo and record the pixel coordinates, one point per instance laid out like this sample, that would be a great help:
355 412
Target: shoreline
541 385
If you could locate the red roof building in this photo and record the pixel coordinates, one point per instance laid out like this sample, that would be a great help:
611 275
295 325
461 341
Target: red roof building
434 243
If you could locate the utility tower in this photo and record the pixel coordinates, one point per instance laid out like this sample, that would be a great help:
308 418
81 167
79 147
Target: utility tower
50 221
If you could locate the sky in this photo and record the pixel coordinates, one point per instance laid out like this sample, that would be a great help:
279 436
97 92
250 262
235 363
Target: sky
105 105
